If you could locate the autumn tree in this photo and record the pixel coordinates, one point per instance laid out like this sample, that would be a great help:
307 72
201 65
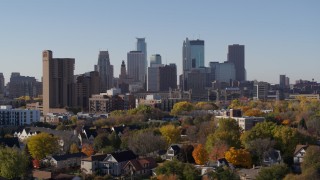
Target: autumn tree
13 163
253 112
199 154
238 157
312 158
101 141
74 148
259 147
87 149
42 144
170 133
206 106
181 107
218 150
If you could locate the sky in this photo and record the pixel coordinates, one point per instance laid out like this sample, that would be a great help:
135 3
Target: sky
280 37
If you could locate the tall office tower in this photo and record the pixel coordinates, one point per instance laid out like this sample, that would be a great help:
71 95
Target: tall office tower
282 82
155 59
260 90
168 77
105 70
1 84
142 46
192 57
136 66
223 72
58 76
153 73
22 86
236 56
287 82
86 85
124 80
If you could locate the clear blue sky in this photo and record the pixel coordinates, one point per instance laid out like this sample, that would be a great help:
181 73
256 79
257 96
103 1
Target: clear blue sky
280 37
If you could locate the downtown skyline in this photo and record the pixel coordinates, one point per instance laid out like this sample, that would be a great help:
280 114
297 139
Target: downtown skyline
280 37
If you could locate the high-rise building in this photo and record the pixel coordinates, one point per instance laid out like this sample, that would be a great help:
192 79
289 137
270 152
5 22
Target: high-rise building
86 85
168 77
124 80
58 77
155 59
282 82
153 73
22 86
260 90
105 70
223 72
136 66
236 55
192 56
1 84
142 46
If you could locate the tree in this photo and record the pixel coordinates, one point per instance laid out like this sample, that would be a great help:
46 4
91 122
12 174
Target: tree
178 170
206 106
42 144
223 173
259 147
87 149
277 171
228 131
115 140
13 163
218 150
170 133
312 158
238 157
143 142
185 154
199 154
181 107
74 148
253 112
101 141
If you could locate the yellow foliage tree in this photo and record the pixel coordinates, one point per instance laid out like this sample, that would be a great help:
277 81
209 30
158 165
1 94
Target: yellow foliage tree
199 154
253 112
170 133
181 107
239 157
74 148
41 145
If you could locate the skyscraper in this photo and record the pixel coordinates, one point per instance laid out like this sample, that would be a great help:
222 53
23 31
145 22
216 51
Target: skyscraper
282 82
153 73
236 55
155 59
58 76
136 66
105 70
142 46
22 86
192 57
1 84
168 77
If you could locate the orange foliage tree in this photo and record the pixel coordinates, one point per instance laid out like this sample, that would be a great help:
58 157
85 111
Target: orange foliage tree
199 154
253 112
87 149
239 157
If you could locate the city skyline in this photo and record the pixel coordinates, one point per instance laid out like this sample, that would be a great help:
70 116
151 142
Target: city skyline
279 36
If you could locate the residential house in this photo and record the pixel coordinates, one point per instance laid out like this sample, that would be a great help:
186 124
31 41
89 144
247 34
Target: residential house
107 163
67 160
299 153
173 151
272 157
139 167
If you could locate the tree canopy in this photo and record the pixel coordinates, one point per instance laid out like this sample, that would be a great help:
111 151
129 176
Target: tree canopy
13 163
42 144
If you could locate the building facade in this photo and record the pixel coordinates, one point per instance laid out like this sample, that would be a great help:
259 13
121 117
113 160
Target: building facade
23 86
1 85
58 78
168 77
236 55
136 66
105 70
18 117
223 72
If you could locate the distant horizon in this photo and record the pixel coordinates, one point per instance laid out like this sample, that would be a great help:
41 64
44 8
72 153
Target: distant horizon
280 37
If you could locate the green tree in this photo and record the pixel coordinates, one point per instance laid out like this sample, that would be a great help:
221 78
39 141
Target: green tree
179 169
115 140
13 163
312 158
42 144
278 171
101 141
228 131
223 173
